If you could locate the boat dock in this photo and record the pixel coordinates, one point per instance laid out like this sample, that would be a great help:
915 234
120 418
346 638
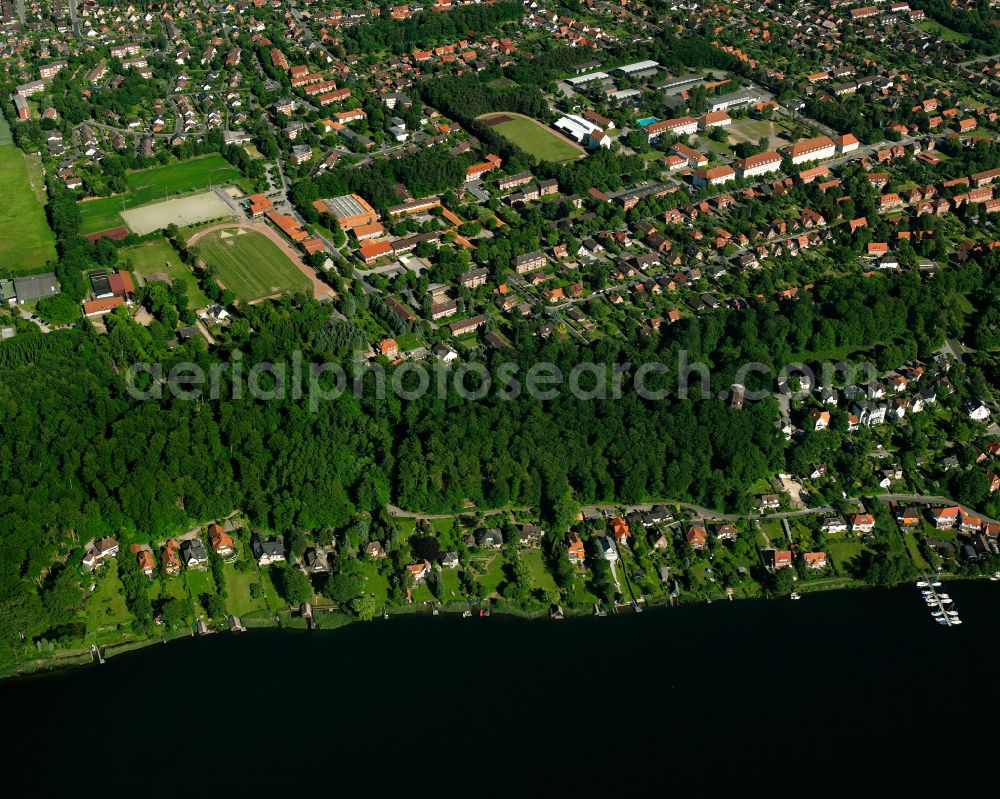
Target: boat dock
941 606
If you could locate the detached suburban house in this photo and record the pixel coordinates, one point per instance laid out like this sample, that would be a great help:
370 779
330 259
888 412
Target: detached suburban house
170 561
814 560
862 523
146 562
220 541
194 553
575 550
530 535
768 502
267 550
419 571
103 549
777 558
619 530
834 524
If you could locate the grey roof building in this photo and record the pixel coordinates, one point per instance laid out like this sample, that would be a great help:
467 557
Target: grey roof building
35 287
193 551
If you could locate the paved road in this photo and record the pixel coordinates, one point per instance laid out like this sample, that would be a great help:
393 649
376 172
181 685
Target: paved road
408 514
27 315
125 131
708 514
74 18
925 499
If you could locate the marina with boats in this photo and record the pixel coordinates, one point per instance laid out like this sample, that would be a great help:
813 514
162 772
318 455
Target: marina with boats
941 605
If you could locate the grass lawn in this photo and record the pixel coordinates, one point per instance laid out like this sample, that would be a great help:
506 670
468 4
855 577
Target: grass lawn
843 552
26 242
914 550
375 583
752 129
452 585
442 527
101 213
250 264
489 576
199 582
409 341
537 140
106 606
168 587
935 27
421 593
159 256
773 529
238 599
274 601
712 146
156 183
540 576
580 595
148 185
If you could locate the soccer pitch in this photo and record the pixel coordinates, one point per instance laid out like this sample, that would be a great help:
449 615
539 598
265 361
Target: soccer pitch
249 264
534 138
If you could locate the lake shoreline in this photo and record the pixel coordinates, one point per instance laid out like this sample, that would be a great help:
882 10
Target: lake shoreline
74 660
282 704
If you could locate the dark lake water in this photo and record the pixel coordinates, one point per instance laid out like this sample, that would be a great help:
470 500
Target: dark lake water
502 706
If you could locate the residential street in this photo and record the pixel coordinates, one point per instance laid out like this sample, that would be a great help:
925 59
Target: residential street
704 513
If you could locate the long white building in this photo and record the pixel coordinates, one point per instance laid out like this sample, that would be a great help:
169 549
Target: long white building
760 164
817 149
577 128
678 127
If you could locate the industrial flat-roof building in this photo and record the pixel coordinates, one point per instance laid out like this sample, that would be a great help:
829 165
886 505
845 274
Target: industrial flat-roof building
639 68
35 287
588 78
735 100
576 127
350 211
675 83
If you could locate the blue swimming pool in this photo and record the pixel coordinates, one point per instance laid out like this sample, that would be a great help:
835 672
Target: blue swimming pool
646 121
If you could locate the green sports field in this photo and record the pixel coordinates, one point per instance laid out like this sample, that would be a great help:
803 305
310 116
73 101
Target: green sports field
249 264
157 183
535 139
159 256
26 242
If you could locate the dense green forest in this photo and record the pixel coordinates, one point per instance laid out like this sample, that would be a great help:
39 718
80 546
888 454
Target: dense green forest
432 170
467 96
79 457
978 22
424 30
